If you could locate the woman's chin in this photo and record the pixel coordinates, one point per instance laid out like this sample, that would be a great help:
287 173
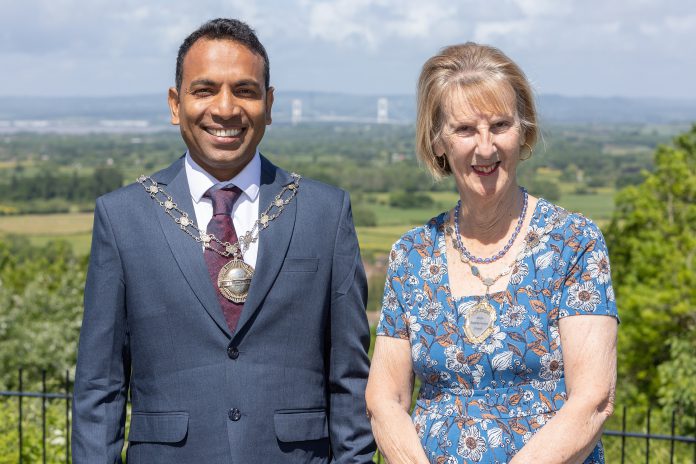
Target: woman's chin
486 187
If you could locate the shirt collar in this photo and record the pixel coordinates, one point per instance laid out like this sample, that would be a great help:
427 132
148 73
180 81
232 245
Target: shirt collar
200 181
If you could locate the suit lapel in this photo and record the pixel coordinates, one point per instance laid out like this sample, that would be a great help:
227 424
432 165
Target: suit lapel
273 241
187 252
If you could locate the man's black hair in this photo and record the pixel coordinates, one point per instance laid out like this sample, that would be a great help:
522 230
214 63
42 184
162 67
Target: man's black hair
223 29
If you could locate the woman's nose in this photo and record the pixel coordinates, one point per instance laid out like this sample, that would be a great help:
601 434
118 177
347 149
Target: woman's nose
485 144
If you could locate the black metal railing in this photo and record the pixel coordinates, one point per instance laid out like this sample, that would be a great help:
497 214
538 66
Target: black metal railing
649 435
620 452
45 396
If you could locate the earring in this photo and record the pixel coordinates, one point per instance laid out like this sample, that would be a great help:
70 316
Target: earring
531 150
442 163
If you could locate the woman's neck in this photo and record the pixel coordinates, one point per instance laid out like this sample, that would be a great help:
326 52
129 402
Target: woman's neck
489 219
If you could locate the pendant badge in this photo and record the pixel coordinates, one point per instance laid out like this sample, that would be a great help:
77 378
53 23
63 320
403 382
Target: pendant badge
234 280
480 321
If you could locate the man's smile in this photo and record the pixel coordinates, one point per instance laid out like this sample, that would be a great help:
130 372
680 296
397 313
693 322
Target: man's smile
225 132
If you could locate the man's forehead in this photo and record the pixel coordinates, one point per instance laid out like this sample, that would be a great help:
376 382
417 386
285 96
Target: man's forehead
208 54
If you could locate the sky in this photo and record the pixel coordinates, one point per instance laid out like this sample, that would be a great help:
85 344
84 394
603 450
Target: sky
603 48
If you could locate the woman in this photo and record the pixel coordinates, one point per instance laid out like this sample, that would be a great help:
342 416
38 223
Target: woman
478 301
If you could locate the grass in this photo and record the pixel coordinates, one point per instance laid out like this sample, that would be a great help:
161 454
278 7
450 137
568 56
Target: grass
80 243
596 206
76 228
393 222
379 239
39 229
46 224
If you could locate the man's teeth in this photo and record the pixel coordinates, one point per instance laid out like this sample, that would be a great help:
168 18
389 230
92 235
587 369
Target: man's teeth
486 169
225 132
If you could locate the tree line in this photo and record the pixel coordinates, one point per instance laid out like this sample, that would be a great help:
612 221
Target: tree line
57 192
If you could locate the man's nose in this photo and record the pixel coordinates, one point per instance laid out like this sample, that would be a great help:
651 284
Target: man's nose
226 105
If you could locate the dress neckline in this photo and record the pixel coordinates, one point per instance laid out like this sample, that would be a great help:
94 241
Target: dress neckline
442 244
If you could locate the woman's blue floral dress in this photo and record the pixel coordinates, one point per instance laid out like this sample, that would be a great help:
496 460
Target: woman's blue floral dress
483 402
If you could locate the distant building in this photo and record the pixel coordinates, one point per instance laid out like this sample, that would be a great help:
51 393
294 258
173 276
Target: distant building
296 115
124 123
382 111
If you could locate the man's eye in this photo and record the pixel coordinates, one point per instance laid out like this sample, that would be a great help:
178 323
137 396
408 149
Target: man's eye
201 92
246 92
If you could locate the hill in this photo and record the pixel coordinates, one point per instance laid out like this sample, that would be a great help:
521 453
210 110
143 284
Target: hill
150 112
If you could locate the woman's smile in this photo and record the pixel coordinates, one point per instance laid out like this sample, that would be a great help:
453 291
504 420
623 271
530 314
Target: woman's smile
486 170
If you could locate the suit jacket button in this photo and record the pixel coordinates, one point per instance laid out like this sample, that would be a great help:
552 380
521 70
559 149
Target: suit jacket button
234 414
232 352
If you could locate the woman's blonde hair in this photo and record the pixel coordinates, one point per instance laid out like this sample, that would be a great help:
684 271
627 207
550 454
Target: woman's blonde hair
476 71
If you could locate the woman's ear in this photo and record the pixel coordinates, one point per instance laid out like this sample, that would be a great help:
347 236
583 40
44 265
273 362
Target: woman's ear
523 137
439 148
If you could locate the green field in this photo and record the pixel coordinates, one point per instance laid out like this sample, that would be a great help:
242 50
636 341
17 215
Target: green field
39 229
76 228
596 206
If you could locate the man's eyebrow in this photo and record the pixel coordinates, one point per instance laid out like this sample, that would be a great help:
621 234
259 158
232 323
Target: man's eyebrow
206 82
211 83
251 82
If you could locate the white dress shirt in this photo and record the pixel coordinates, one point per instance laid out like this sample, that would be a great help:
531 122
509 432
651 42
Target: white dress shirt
246 208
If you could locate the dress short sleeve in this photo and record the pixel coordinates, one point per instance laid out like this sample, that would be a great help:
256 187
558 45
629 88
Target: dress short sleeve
587 288
393 320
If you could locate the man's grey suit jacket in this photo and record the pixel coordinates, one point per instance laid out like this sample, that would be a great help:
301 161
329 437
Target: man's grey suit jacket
288 386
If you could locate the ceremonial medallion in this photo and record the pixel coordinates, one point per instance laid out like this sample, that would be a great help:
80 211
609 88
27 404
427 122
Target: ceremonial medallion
234 279
479 321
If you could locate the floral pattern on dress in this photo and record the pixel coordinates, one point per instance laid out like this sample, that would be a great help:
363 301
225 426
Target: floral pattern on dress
481 402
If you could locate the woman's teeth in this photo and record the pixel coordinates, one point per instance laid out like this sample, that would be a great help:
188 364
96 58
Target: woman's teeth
486 169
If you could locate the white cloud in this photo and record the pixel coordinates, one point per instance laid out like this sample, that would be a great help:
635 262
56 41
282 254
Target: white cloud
544 8
338 21
681 24
495 31
420 19
374 22
568 46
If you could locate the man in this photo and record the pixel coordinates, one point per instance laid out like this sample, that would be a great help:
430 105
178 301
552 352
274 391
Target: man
220 371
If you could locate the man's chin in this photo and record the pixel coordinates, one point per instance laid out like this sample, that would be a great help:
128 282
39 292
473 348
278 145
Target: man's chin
224 165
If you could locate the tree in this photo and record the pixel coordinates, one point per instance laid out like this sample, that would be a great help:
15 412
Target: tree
410 200
545 188
652 241
40 309
677 387
363 216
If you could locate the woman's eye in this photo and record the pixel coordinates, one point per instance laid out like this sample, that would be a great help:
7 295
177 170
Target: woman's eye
501 125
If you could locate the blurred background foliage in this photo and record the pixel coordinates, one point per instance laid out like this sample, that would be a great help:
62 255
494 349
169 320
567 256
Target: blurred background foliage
639 186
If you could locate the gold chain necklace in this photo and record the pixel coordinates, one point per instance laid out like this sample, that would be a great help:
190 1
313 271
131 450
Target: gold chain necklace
480 319
235 276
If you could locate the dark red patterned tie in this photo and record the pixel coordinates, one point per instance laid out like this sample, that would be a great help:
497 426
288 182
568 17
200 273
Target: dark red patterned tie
222 227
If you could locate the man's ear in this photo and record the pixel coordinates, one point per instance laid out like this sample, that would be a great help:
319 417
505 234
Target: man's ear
269 105
173 100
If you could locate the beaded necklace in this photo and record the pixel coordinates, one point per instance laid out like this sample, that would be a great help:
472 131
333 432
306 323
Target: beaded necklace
499 254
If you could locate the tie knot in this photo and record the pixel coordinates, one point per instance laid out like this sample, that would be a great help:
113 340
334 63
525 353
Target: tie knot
223 199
